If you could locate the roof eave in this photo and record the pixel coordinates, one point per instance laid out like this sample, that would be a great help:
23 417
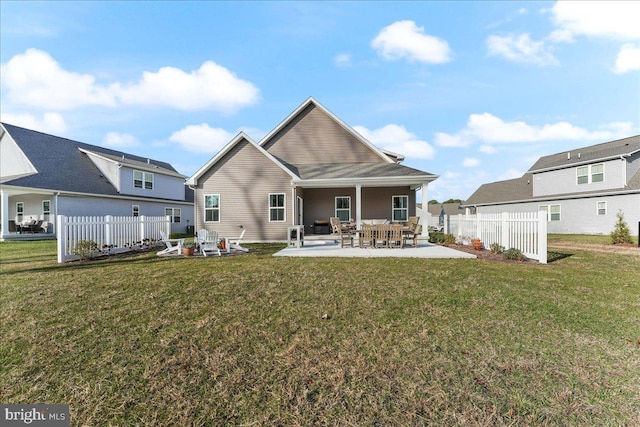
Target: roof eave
379 181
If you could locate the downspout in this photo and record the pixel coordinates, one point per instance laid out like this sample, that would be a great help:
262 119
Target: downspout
195 210
55 223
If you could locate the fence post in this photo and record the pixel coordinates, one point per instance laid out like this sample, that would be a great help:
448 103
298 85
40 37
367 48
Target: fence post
460 225
542 237
168 226
504 238
108 230
61 232
478 230
142 227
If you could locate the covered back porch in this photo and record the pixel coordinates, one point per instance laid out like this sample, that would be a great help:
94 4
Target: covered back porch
27 214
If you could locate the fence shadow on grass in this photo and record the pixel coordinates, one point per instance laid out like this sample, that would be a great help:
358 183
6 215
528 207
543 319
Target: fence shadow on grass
553 256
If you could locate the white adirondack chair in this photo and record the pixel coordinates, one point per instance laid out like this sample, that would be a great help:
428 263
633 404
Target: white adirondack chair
174 246
234 242
208 241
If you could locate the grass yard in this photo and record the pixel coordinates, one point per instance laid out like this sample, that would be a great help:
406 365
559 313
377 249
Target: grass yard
262 340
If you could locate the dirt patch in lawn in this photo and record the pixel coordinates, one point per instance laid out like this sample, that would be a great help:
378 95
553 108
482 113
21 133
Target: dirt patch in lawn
627 249
488 255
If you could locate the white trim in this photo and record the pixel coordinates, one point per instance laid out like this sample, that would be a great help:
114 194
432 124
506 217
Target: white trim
335 206
379 181
193 180
395 209
284 207
346 127
204 208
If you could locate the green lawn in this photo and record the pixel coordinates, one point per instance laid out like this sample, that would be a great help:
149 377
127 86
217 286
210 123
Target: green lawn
262 340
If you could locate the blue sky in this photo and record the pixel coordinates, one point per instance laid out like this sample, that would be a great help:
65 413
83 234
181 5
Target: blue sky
472 91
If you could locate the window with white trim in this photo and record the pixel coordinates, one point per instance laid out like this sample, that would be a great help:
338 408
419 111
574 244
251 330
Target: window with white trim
46 209
602 208
135 210
343 208
590 174
174 213
19 211
277 207
211 208
552 211
400 208
143 180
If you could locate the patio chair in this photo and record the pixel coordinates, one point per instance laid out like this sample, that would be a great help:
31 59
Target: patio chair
343 233
395 236
412 235
367 236
335 225
174 246
234 242
412 223
209 244
381 235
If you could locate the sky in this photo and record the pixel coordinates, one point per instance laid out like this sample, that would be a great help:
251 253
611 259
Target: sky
474 92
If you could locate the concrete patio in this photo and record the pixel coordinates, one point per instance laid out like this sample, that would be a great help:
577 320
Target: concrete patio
318 248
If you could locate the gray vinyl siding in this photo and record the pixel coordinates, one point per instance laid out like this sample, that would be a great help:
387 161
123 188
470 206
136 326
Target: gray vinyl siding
564 181
580 216
633 165
164 186
314 137
244 178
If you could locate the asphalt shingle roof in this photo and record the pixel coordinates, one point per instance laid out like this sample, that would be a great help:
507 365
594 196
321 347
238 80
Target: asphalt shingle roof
356 170
62 166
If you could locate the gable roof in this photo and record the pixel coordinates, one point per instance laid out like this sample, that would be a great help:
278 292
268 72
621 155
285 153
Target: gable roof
193 180
388 158
593 153
510 190
63 164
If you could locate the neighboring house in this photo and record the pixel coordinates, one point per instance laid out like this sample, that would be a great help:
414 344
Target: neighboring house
580 190
311 167
439 211
45 175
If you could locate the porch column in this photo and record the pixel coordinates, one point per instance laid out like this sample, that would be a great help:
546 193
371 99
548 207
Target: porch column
4 213
358 205
425 208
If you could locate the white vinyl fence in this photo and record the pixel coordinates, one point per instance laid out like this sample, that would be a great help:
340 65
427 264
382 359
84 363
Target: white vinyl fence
526 231
108 234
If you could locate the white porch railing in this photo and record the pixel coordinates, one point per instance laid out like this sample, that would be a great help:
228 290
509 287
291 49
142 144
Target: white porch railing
109 233
526 231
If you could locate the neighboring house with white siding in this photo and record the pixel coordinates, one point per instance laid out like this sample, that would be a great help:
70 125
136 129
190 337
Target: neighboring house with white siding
581 190
310 167
45 175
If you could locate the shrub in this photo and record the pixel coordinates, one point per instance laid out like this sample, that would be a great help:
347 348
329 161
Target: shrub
449 239
496 248
621 233
514 254
85 249
436 237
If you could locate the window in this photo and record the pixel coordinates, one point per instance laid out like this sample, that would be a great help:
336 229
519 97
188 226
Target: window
19 211
597 173
174 213
343 208
212 208
143 180
400 210
602 208
135 210
276 207
46 209
583 174
552 211
590 174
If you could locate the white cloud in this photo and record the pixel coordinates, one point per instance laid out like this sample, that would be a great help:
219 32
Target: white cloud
489 129
210 87
470 162
487 149
404 39
50 122
399 140
628 59
120 140
201 138
36 79
342 60
611 19
521 48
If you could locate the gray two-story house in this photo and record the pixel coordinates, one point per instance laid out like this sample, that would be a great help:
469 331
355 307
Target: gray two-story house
580 190
43 176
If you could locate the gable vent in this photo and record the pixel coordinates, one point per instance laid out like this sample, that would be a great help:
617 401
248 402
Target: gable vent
568 156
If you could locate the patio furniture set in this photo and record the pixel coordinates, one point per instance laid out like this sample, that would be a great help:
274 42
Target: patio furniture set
28 226
207 243
377 233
